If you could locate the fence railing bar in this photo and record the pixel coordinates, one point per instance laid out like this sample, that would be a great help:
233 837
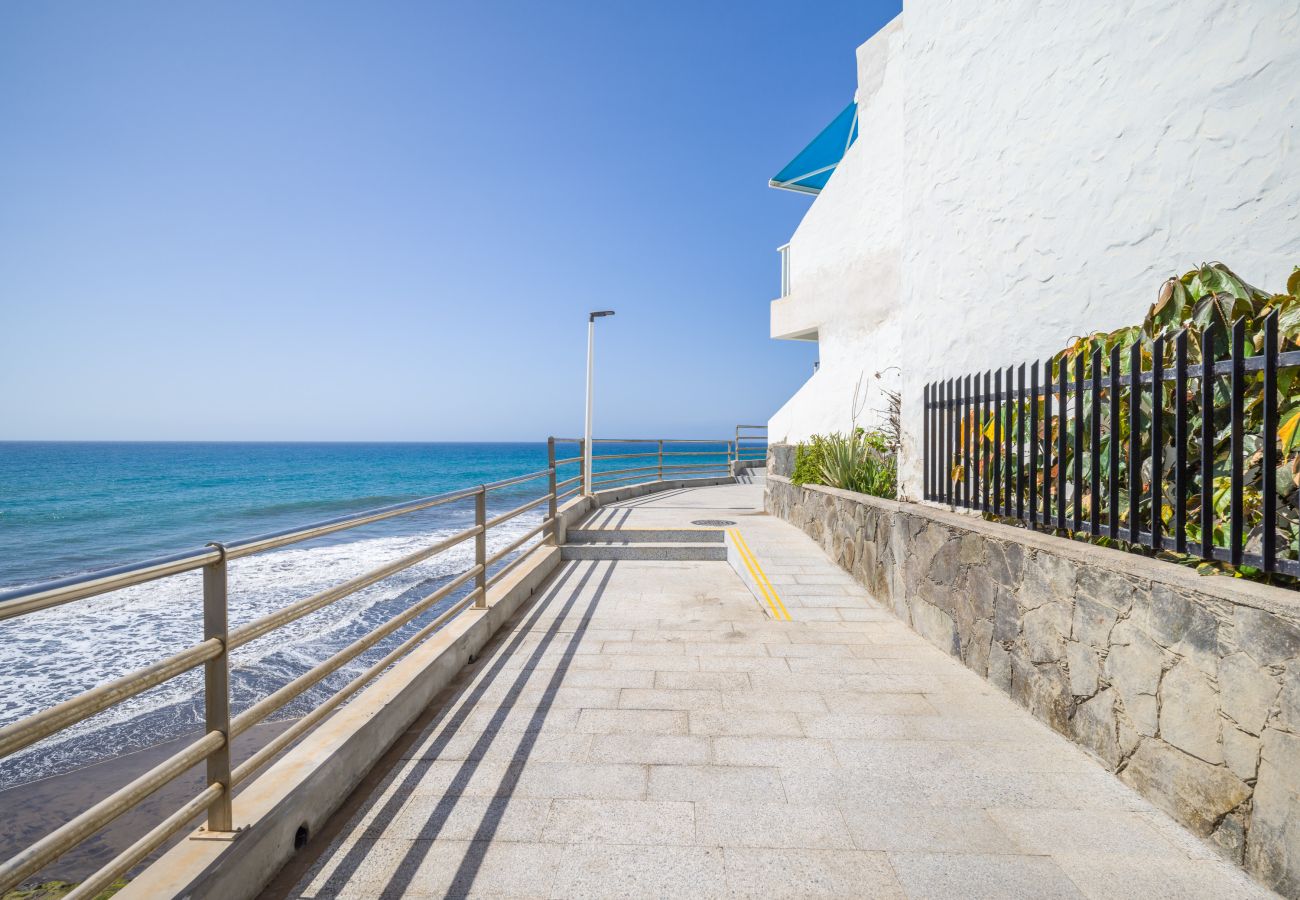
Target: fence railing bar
1008 444
522 508
36 856
278 698
1134 446
250 631
1180 441
213 748
1113 446
1048 446
302 725
1033 445
967 412
954 414
515 545
1268 445
950 420
1061 434
25 732
95 884
1288 360
1235 514
1078 440
1157 443
251 546
1094 445
517 479
925 442
936 441
997 441
959 436
975 459
1020 445
1207 445
24 600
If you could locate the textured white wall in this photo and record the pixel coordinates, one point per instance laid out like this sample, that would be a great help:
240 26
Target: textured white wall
1059 160
844 262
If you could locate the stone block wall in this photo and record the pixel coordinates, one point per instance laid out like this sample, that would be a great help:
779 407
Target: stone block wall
1188 687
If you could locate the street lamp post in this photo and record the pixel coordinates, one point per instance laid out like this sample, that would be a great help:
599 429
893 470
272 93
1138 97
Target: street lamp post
586 435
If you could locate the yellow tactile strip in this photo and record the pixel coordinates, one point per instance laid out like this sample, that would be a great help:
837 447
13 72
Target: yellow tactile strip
779 611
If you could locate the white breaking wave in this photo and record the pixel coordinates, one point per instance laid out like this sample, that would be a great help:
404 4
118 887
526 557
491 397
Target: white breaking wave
55 654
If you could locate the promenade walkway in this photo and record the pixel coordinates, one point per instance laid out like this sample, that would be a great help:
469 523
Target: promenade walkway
651 729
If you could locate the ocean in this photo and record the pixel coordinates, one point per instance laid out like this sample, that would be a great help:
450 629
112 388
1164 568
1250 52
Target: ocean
68 508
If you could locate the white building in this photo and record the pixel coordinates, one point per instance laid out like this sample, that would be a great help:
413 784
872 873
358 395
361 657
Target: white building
1024 172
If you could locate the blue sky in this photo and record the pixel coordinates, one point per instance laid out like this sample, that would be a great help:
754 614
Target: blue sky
386 221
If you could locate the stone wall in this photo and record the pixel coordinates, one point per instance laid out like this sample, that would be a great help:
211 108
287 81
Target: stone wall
1186 686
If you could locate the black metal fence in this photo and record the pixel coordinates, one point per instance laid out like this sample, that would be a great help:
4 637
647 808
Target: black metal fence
1139 446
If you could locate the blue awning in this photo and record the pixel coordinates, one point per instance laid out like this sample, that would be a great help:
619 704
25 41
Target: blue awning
811 169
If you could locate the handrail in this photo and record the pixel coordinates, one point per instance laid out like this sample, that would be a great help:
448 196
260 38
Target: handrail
212 651
213 654
25 732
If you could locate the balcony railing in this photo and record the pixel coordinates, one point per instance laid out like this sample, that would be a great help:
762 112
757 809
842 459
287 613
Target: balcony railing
784 251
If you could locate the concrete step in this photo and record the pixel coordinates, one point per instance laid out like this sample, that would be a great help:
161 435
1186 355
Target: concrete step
645 536
648 552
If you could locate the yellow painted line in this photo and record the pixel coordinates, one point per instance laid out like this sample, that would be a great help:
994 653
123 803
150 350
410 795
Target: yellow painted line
763 575
760 578
752 574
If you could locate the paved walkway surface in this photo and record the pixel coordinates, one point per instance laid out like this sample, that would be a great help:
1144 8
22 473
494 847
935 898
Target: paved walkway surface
650 729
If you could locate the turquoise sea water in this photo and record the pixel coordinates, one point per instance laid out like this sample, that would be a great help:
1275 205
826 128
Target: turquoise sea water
70 507
67 508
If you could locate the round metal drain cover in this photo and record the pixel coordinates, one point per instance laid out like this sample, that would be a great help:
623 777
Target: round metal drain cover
713 523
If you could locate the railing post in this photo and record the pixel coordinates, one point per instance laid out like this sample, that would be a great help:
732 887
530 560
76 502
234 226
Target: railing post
480 548
661 459
552 507
582 452
216 689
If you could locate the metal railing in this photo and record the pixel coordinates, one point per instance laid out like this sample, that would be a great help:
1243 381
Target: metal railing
749 444
784 251
212 652
663 459
1132 455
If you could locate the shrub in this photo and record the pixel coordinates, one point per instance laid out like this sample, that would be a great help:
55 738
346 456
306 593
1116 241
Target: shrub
808 459
859 461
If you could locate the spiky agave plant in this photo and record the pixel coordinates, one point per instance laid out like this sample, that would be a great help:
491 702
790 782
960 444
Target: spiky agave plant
844 455
859 462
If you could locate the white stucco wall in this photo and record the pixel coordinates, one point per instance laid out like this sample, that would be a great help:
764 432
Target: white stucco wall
1058 161
845 279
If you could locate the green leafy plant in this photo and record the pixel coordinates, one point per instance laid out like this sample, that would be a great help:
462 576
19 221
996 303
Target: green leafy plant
859 461
1211 295
808 458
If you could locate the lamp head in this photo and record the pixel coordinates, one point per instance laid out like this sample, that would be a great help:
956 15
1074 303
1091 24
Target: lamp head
591 317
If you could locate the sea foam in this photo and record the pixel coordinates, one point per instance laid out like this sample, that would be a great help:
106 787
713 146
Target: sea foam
55 654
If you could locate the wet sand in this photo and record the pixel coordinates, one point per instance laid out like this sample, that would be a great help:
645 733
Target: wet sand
30 811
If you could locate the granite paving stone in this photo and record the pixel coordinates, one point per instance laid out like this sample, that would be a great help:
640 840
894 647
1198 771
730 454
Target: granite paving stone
648 729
